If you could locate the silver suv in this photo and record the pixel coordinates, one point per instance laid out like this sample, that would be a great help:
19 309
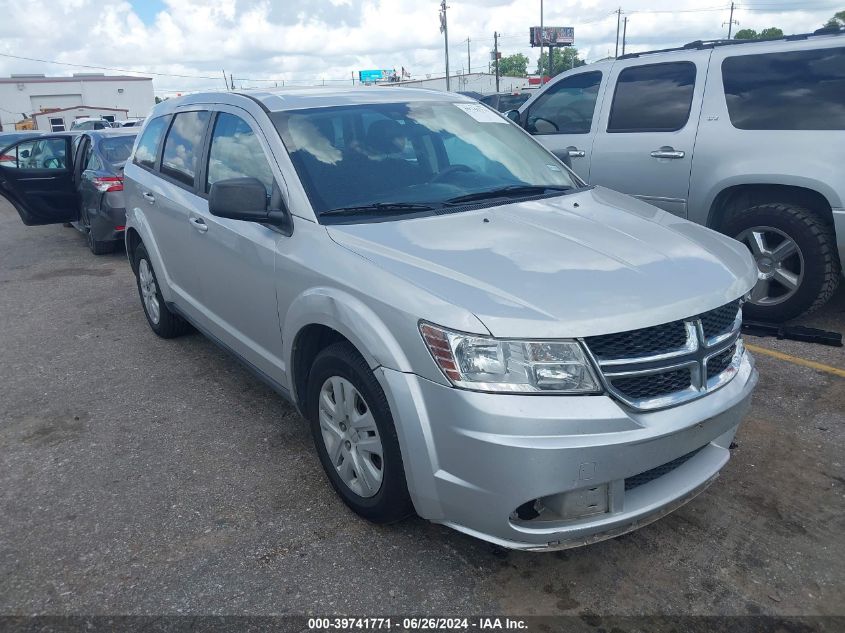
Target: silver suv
745 138
473 333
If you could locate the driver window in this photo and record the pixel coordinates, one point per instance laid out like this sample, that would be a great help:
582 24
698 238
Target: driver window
236 153
567 107
40 154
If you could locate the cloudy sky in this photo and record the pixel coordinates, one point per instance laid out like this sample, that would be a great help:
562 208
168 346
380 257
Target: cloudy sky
189 42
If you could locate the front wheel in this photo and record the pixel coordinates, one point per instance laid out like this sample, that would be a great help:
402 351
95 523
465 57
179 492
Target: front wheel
355 437
795 253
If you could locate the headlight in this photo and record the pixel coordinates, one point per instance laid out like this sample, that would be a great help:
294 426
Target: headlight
481 363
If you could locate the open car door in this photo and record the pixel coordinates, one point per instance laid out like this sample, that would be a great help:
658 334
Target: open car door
36 176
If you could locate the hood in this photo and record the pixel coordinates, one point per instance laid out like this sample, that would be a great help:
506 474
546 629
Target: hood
592 262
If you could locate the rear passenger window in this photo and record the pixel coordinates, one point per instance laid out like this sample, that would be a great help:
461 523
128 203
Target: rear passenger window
799 90
148 146
653 98
236 153
179 160
566 107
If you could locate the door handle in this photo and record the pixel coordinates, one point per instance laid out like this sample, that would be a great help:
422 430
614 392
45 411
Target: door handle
199 224
667 152
149 197
574 152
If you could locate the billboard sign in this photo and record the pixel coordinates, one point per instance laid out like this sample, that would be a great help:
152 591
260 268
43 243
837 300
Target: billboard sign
552 35
371 76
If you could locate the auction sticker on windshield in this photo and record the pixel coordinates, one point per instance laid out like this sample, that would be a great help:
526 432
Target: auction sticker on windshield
481 113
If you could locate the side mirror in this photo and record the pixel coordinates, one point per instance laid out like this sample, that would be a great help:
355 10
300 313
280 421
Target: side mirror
245 199
513 115
24 153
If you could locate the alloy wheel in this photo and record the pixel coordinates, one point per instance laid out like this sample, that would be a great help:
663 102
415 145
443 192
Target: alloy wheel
149 291
780 264
351 437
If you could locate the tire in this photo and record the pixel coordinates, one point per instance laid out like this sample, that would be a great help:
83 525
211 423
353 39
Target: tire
165 323
97 247
812 268
391 502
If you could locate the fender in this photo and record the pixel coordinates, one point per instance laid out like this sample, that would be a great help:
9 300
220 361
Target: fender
136 219
347 315
716 188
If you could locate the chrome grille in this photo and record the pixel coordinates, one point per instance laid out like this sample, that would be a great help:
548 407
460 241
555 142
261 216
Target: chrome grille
654 385
664 365
720 321
644 342
720 362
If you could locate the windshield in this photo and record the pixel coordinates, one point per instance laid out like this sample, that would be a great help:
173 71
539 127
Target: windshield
374 160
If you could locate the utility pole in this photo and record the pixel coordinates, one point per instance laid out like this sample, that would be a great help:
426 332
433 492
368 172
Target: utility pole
496 55
731 21
226 81
469 64
444 28
624 32
618 24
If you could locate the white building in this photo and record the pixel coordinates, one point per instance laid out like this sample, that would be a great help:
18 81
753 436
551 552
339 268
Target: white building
482 83
24 95
60 120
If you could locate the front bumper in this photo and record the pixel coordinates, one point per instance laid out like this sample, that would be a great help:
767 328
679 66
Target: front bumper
471 459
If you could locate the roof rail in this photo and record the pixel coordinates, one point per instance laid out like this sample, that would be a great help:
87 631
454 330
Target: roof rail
702 44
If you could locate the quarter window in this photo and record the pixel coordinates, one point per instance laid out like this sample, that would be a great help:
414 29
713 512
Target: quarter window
653 98
179 160
57 125
236 153
567 107
798 90
147 151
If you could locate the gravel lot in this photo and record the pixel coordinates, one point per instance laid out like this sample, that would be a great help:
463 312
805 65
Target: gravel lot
142 476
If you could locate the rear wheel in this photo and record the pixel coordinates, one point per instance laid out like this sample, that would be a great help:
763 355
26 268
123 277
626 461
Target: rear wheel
162 321
99 247
355 437
795 253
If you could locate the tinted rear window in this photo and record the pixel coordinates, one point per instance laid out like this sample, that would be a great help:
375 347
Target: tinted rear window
179 159
799 90
147 151
116 150
653 98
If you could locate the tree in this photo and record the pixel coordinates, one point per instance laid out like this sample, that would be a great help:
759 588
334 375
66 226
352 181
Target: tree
513 65
837 21
746 34
770 33
562 59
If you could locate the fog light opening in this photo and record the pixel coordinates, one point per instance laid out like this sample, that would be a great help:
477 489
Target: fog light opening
528 511
566 506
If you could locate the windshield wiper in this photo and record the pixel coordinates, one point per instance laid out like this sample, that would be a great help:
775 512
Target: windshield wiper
511 191
380 206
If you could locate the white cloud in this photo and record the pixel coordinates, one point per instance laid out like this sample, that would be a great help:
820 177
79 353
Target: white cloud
306 41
